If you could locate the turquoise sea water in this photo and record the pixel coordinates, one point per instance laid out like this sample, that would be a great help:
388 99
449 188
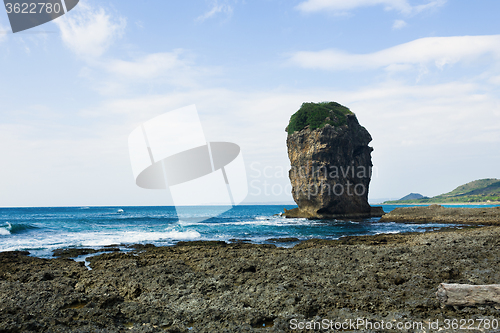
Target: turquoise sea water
41 230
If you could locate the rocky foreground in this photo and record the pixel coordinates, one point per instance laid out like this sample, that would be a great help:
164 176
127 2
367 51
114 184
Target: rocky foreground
440 214
219 287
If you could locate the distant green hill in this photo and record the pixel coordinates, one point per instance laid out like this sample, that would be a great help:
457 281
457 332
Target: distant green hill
482 190
413 196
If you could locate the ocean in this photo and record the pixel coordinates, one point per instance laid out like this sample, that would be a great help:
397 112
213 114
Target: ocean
41 230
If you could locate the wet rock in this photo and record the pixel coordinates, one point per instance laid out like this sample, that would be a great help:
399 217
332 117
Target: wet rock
283 240
75 252
237 240
72 253
440 214
141 246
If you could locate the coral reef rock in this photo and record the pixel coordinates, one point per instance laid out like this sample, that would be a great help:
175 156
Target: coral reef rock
330 162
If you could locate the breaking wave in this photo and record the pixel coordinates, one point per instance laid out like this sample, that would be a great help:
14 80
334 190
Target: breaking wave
15 228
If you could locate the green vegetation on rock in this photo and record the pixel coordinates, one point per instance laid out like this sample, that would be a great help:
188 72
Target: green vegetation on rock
482 190
317 115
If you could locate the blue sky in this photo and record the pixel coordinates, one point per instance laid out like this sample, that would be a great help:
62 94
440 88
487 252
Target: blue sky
422 76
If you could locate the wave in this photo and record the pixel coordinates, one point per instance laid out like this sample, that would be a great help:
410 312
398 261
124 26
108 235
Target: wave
388 232
130 237
114 216
42 246
15 228
5 230
254 221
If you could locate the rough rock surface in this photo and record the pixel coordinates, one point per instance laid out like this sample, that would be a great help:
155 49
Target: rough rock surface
219 287
331 171
440 214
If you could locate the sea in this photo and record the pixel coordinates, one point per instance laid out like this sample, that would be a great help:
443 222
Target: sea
40 230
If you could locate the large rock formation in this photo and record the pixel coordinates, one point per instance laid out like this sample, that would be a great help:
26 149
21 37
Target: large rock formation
331 163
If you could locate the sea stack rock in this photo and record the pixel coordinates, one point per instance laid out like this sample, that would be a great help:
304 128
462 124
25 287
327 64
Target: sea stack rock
330 162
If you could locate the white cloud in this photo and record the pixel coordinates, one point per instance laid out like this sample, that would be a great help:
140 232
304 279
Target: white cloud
341 6
399 24
147 67
3 32
177 69
88 32
495 80
3 36
216 8
440 51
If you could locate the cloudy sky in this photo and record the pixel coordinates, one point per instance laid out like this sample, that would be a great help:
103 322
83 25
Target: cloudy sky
423 76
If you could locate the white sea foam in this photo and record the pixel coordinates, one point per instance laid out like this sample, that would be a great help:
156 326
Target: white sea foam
101 239
5 230
273 221
47 243
387 232
256 221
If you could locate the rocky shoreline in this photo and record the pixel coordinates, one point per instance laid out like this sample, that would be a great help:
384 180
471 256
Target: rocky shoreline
440 214
220 287
375 211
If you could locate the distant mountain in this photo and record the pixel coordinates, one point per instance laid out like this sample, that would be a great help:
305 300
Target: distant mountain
482 190
413 196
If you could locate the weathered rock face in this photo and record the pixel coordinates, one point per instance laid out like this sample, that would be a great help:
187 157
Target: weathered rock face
331 170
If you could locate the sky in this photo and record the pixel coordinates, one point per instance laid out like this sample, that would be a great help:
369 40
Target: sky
422 76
